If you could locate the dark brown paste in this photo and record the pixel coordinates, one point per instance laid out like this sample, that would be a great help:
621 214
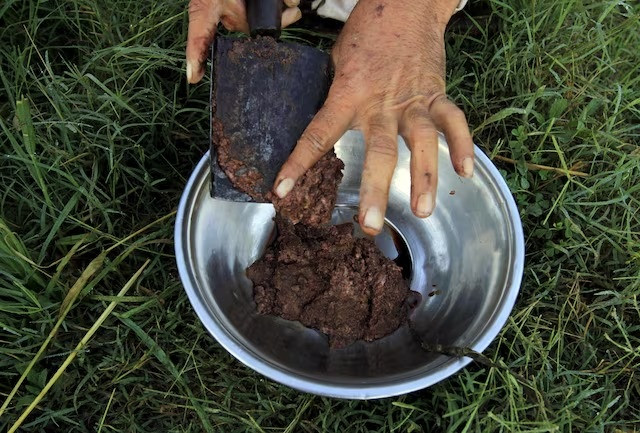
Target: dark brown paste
243 177
330 280
312 200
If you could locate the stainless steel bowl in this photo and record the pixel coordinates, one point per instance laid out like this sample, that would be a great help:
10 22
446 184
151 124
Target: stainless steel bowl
466 260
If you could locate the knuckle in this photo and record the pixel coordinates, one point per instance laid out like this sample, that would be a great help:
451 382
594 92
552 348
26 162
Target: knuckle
436 81
379 121
418 125
331 113
441 103
456 114
342 92
416 113
369 189
313 141
422 129
384 146
437 99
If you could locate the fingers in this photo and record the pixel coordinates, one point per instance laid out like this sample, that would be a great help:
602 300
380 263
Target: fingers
204 16
291 14
381 138
328 125
421 136
452 121
203 19
234 16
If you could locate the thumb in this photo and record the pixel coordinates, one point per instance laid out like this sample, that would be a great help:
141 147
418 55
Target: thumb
328 125
203 20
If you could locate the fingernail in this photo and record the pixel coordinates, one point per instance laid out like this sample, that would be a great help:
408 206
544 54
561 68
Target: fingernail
425 205
373 219
284 187
467 167
189 72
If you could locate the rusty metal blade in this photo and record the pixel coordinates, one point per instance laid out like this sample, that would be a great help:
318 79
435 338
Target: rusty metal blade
264 94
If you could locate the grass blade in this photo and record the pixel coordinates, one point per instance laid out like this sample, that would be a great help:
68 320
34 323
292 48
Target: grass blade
76 289
77 349
89 271
162 356
23 114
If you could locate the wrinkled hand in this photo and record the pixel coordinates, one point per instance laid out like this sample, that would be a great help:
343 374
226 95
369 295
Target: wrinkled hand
389 79
204 16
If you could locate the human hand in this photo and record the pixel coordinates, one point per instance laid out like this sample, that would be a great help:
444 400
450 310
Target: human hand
389 78
204 16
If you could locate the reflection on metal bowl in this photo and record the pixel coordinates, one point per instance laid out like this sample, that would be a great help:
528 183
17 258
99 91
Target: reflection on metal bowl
466 260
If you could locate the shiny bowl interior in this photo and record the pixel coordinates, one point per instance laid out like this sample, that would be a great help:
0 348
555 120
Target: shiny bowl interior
466 261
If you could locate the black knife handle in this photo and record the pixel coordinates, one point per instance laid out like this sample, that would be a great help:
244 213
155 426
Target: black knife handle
264 17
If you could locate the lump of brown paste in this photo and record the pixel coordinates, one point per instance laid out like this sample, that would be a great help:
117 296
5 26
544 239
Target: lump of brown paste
310 202
330 280
313 198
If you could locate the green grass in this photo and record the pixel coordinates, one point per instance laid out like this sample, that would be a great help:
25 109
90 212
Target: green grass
99 131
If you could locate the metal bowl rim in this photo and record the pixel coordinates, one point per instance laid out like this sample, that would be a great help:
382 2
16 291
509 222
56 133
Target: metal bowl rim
254 362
